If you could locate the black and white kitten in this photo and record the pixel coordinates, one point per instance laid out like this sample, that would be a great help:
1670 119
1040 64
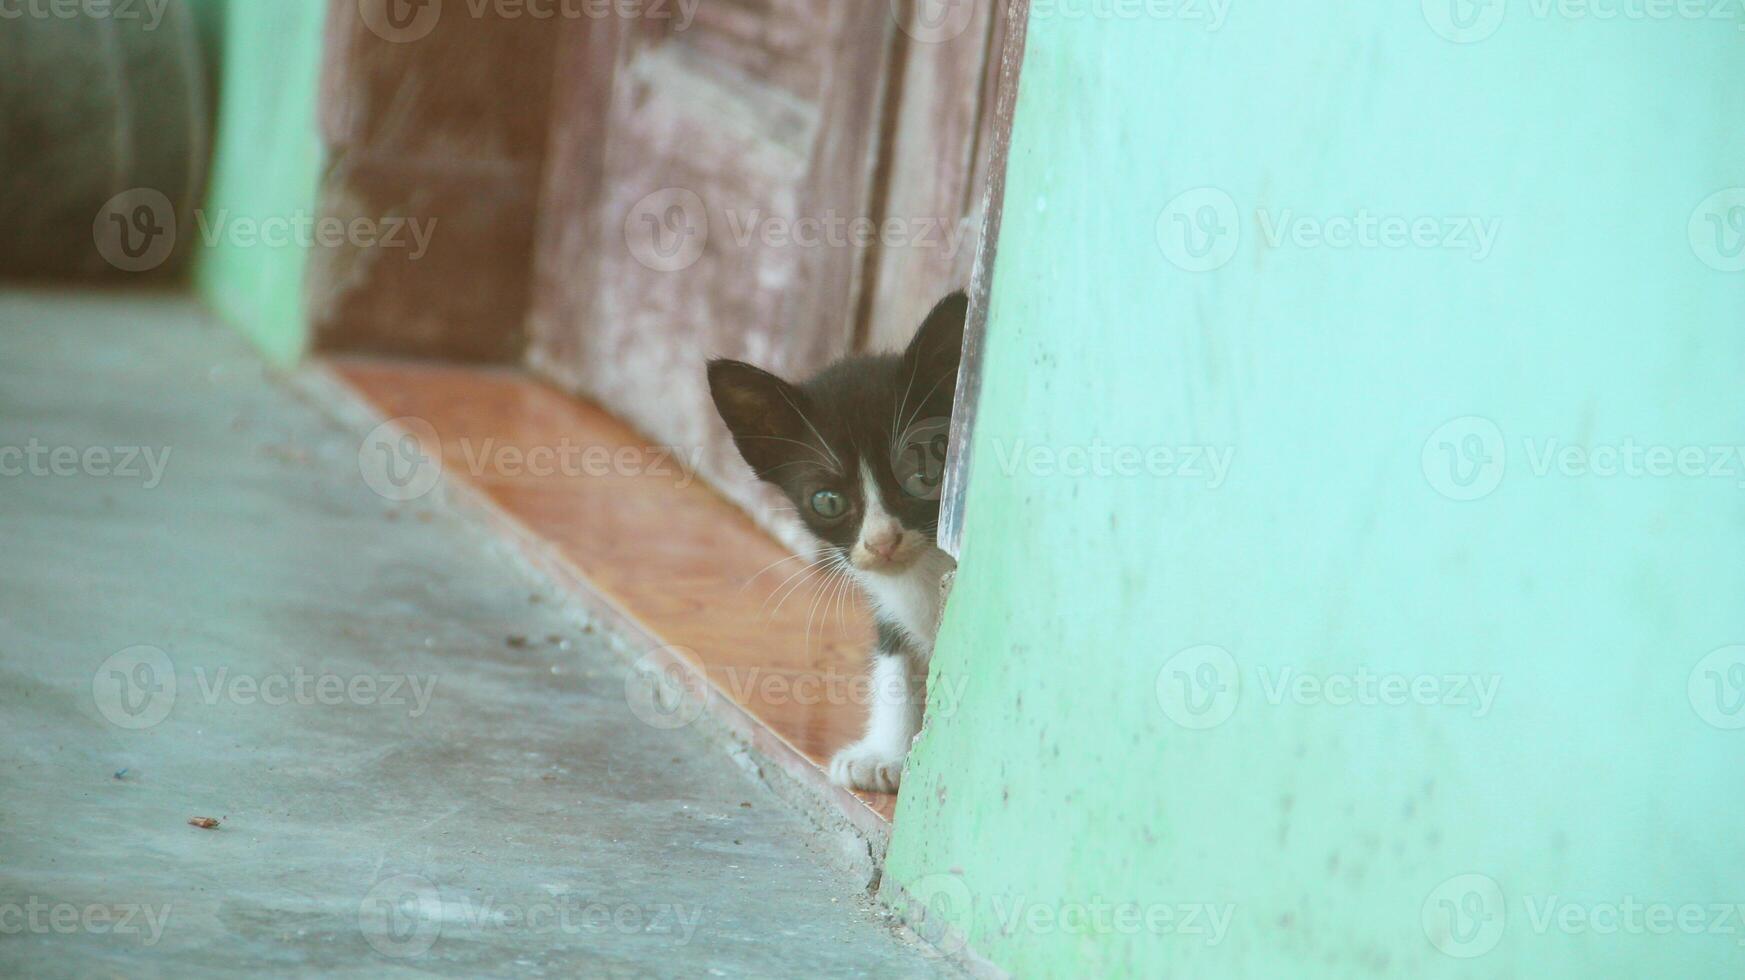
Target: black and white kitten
860 450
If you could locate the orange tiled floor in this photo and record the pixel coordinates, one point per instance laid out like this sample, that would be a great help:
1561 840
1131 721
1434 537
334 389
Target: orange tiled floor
678 562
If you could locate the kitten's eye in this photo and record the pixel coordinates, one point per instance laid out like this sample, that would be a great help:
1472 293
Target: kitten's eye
829 504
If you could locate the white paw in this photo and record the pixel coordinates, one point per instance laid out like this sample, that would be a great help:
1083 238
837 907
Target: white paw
869 767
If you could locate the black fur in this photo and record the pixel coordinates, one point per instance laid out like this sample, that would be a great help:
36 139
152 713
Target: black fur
813 436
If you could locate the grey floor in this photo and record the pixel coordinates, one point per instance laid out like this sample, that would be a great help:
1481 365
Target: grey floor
424 762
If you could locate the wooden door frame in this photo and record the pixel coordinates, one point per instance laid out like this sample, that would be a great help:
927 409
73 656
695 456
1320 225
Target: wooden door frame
969 374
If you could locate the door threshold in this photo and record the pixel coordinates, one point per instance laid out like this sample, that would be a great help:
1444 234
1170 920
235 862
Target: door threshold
699 594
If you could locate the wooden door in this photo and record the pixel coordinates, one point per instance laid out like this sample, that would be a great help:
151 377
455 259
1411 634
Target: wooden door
719 188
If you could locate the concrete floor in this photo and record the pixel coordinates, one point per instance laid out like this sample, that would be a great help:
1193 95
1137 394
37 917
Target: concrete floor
423 759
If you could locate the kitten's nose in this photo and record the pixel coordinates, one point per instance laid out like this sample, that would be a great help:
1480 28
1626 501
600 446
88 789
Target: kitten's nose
884 543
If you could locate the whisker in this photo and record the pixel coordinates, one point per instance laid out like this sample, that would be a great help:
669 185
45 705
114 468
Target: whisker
759 572
804 418
790 578
816 567
914 369
920 405
806 445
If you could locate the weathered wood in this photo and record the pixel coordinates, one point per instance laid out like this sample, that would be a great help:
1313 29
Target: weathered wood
449 127
693 142
969 374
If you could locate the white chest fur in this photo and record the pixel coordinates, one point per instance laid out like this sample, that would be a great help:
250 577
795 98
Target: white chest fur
911 598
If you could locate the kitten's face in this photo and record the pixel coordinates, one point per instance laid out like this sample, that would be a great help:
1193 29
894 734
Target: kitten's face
860 447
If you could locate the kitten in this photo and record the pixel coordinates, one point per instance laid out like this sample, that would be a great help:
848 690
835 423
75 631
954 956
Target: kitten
860 450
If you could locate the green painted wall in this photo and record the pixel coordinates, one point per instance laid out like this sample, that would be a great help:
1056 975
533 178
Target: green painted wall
266 165
1098 786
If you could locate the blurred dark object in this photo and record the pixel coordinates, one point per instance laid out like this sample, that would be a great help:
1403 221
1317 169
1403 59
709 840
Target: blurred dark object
104 138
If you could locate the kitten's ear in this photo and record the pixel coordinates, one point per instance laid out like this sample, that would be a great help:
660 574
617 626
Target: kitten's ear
763 413
938 345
